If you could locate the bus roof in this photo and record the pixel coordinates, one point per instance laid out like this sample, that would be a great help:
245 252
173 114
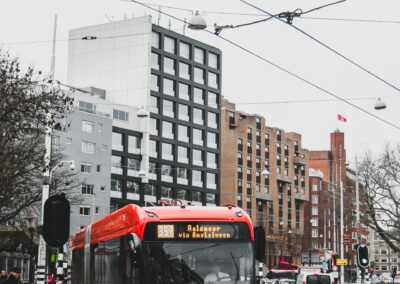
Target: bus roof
133 218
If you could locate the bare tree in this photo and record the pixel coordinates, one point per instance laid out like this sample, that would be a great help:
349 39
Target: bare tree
26 98
380 178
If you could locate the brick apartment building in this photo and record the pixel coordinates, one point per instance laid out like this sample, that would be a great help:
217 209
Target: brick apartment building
332 164
264 170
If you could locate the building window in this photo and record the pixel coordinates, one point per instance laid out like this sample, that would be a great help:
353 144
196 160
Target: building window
98 168
181 176
199 55
213 80
183 112
116 165
181 194
184 92
314 210
211 181
168 130
133 165
88 147
116 185
87 188
154 104
198 75
183 133
197 157
197 178
155 83
213 60
212 120
184 70
87 126
120 115
150 193
169 87
155 61
87 107
166 173
212 140
196 196
198 138
314 233
68 141
212 100
198 116
184 50
210 199
55 141
169 66
154 126
314 199
86 168
166 192
314 187
133 144
167 152
211 160
169 44
102 188
117 143
198 96
84 210
183 155
155 40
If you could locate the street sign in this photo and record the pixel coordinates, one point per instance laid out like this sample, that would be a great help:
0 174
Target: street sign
341 261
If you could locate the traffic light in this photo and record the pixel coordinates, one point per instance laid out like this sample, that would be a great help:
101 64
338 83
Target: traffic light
362 256
56 220
334 258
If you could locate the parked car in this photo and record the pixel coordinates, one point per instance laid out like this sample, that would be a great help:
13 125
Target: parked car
280 277
315 278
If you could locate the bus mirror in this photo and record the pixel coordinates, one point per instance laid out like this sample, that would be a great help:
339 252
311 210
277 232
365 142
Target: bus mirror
137 244
259 239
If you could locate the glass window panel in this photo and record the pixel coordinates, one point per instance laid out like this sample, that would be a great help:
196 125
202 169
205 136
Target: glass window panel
212 120
132 186
116 185
181 194
168 130
198 96
169 65
155 83
166 192
155 40
211 181
153 126
198 75
197 157
212 100
211 160
169 87
153 151
87 126
198 116
211 198
155 61
184 70
184 50
212 140
168 108
196 196
88 147
213 80
183 133
199 55
167 152
198 137
181 175
183 155
183 112
134 144
197 178
154 104
213 60
169 44
117 143
184 92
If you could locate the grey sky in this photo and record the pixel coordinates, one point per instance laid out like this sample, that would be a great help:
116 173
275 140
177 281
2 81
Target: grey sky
247 79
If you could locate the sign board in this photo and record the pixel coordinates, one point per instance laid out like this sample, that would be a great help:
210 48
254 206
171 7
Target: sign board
341 261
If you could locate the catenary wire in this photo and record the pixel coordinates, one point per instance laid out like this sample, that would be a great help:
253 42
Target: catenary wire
327 46
282 69
323 6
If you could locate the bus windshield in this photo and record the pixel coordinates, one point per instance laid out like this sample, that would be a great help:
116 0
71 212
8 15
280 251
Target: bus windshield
198 262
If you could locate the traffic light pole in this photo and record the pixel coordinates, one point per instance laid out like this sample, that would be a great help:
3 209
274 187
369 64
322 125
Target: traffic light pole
341 234
358 225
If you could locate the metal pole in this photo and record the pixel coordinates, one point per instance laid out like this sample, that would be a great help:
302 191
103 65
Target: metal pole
324 229
357 211
341 234
41 264
93 208
334 215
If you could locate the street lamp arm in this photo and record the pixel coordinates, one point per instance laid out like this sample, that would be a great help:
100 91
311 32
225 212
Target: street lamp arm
72 166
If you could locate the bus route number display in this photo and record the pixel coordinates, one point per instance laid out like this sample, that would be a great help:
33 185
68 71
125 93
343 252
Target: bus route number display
195 231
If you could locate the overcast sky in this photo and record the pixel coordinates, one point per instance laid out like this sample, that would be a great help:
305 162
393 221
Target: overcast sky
248 81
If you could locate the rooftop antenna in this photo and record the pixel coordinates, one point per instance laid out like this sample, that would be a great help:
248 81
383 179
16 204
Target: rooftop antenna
159 15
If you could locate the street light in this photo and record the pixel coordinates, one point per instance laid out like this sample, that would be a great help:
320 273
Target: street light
265 172
31 222
197 22
380 104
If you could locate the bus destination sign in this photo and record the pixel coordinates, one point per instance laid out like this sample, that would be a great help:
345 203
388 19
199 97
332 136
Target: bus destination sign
195 231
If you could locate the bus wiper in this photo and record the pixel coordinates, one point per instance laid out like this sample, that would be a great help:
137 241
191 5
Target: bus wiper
236 266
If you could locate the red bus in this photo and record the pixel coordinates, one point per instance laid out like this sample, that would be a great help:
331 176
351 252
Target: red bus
166 244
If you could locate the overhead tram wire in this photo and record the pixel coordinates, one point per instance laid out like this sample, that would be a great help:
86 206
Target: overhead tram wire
280 68
325 45
351 20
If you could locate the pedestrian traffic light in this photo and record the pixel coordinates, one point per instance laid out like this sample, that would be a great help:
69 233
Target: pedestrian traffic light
362 256
56 220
